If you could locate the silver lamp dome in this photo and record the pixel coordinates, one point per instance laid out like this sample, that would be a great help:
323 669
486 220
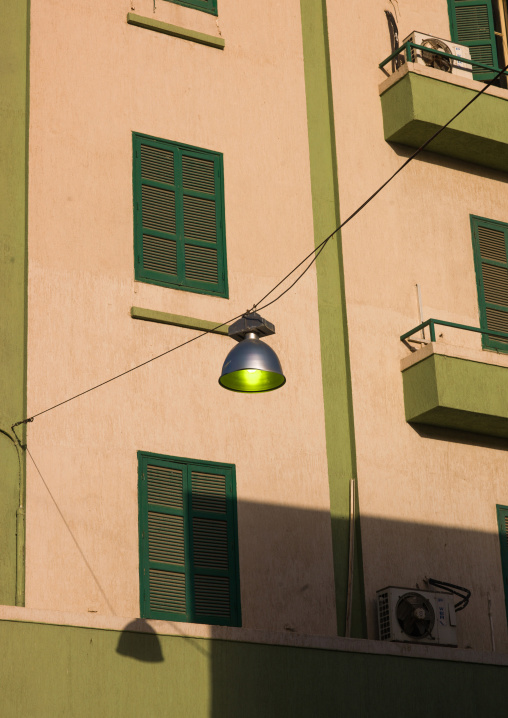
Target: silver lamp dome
251 366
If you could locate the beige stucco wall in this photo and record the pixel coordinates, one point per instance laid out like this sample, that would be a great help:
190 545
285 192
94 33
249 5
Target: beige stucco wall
94 80
428 502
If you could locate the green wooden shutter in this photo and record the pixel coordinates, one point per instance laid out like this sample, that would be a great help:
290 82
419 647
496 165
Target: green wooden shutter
201 219
213 545
502 521
204 5
188 541
472 24
162 540
157 211
179 235
490 242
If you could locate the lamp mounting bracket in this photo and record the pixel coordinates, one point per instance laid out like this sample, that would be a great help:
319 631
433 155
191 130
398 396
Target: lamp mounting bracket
250 322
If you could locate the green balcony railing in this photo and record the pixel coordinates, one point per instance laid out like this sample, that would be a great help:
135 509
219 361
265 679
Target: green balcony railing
407 48
432 323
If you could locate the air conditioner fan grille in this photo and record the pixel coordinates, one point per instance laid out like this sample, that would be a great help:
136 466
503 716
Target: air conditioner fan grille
415 615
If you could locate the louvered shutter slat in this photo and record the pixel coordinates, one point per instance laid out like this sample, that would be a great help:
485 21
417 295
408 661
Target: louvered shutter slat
492 244
166 538
495 284
198 174
208 492
498 321
157 164
212 596
165 486
158 209
200 220
213 565
159 254
472 23
167 591
492 266
495 279
201 264
210 543
502 522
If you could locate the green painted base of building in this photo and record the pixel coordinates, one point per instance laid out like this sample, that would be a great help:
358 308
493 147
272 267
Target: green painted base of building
51 671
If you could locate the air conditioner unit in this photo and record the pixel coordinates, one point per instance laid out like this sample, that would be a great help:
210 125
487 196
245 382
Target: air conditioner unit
416 616
430 59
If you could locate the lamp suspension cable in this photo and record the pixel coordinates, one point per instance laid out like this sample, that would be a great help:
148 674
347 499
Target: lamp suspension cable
312 256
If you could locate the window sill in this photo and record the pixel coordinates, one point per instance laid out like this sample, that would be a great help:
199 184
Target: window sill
417 100
180 32
176 320
457 388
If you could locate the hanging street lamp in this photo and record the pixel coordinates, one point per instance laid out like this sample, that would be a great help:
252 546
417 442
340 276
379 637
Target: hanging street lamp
251 366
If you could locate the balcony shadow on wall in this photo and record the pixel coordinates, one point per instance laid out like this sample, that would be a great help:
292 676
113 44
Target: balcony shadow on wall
287 590
285 559
439 433
439 160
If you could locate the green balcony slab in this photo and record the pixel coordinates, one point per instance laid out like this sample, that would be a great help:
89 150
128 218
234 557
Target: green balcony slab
457 394
415 103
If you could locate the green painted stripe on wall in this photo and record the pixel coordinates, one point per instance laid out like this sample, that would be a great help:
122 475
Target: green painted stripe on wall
14 54
340 439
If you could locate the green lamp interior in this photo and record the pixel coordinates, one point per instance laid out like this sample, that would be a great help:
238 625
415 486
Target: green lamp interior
252 380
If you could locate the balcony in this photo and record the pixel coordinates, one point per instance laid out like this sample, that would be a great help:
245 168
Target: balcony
416 100
454 386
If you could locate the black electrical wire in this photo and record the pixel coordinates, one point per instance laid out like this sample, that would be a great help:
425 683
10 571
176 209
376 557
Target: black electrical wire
374 194
313 255
6 433
87 563
128 371
463 593
321 247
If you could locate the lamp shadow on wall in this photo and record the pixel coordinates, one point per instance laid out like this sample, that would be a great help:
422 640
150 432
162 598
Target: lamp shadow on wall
138 640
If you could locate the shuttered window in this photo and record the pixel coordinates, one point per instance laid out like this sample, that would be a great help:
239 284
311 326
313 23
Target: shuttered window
472 24
490 244
179 238
502 522
188 541
205 5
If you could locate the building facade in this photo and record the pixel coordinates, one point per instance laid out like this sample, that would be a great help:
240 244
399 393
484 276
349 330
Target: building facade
169 546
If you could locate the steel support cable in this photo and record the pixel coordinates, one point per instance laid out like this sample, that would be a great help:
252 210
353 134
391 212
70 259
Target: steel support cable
313 255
